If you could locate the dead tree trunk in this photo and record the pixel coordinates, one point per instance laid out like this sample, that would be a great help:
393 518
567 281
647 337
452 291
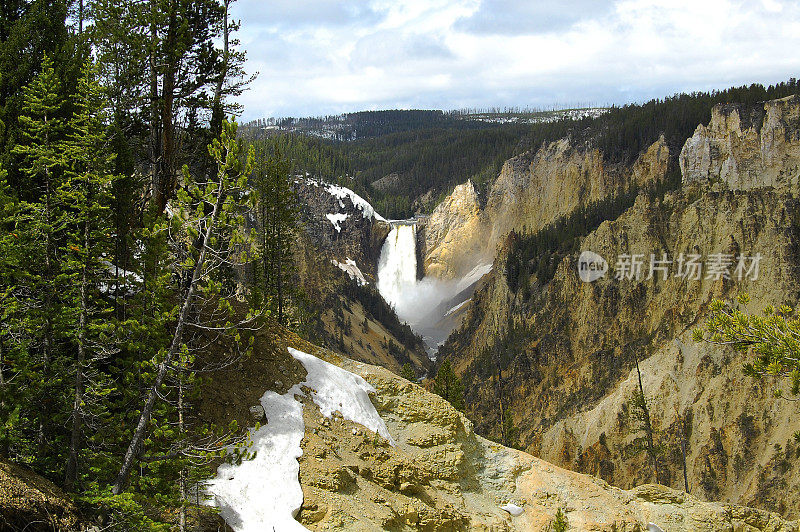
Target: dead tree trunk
648 427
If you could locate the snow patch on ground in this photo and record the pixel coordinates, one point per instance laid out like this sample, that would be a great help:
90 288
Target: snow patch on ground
513 509
124 274
265 493
351 268
334 389
337 219
123 279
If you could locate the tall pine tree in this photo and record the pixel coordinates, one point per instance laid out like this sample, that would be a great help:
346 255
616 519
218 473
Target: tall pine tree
41 224
85 192
276 211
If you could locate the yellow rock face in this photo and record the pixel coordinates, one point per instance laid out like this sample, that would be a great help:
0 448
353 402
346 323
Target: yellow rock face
569 384
454 234
441 476
531 191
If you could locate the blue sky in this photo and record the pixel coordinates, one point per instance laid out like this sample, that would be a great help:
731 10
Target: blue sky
317 57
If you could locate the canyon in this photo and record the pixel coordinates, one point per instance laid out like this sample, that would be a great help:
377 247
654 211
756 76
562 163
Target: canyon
561 358
560 361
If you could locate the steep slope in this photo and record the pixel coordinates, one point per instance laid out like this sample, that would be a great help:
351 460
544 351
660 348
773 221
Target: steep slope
336 256
435 473
563 361
30 502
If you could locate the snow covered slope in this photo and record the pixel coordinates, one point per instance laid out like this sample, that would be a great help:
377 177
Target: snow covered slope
265 492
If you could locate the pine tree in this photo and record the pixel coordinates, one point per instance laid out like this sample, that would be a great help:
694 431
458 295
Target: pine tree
276 220
162 59
772 338
560 523
41 225
510 430
12 337
407 372
232 79
28 31
85 192
208 222
643 426
448 385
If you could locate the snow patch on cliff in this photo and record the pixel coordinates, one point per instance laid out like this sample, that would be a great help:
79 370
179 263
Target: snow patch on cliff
360 203
265 493
351 268
337 219
457 308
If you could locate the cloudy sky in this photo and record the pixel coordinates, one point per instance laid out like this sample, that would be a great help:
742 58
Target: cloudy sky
319 57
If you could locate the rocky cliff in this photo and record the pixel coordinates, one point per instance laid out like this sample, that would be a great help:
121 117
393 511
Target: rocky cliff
336 257
560 359
441 476
531 191
747 148
452 238
342 225
437 474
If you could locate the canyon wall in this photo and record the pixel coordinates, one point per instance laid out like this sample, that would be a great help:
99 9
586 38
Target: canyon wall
560 359
531 191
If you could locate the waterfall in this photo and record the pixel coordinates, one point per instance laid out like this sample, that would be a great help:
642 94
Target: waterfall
429 305
397 269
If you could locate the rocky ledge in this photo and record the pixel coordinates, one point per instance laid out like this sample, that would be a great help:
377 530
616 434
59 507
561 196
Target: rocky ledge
441 476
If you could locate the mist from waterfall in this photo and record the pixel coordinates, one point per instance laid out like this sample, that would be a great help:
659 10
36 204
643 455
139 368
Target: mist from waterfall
422 303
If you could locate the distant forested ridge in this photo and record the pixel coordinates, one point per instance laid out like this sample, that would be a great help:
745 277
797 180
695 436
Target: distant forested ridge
431 152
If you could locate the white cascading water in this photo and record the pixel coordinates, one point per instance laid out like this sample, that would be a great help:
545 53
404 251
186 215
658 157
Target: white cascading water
424 304
397 269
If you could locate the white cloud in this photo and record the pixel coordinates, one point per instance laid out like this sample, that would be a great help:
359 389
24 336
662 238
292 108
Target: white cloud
319 57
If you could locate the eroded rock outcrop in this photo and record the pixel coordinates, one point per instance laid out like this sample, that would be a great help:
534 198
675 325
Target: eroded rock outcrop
441 476
747 148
